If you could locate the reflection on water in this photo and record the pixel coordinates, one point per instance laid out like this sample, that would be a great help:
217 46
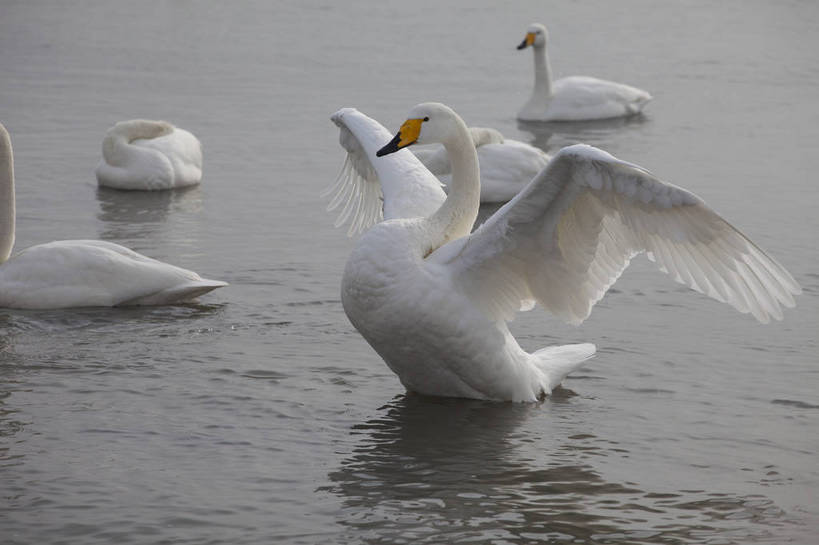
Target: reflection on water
449 471
134 214
564 133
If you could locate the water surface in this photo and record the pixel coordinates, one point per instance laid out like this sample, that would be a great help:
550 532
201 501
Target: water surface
260 415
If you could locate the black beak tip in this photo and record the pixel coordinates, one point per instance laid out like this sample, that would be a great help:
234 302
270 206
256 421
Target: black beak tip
391 147
522 45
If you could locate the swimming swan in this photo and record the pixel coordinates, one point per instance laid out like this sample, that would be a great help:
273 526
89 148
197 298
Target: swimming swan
506 165
433 300
149 155
576 98
82 273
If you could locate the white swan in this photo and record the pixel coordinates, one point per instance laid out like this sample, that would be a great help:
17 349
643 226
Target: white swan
576 98
82 273
149 155
433 299
506 165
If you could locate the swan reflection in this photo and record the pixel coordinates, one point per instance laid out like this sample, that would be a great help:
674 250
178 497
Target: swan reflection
565 133
430 470
138 214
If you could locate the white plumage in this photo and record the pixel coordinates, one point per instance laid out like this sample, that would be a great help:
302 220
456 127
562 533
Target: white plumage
146 155
506 165
82 273
575 98
433 300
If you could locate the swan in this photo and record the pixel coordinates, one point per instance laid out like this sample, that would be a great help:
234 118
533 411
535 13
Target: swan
506 165
81 273
433 299
575 98
140 154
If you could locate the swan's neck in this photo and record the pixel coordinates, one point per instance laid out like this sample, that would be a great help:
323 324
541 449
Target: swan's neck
117 148
543 73
6 196
454 219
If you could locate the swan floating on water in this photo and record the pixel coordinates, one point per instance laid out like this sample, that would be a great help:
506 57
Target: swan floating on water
82 273
506 165
145 155
433 299
575 98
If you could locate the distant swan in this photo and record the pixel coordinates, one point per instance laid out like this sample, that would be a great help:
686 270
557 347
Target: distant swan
149 155
82 273
506 165
433 300
576 98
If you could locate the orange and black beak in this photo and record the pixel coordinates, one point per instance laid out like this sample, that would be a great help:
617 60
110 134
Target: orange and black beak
406 136
527 41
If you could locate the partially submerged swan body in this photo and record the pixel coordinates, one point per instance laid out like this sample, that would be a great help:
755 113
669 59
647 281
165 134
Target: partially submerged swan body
575 98
506 165
433 299
145 155
82 273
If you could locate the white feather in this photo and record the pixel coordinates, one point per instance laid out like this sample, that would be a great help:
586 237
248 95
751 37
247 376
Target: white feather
568 236
506 165
398 187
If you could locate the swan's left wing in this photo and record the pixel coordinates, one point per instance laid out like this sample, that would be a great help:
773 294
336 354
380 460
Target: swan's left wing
569 234
371 188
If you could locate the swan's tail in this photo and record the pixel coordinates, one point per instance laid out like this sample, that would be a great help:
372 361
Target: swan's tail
180 293
558 361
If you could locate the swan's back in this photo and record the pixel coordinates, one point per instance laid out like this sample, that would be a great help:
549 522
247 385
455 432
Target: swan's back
183 150
86 273
578 98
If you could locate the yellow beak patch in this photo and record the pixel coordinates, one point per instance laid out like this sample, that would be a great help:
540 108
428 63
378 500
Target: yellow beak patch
409 132
530 38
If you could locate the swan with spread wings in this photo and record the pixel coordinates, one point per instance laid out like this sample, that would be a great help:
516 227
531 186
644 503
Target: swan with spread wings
433 298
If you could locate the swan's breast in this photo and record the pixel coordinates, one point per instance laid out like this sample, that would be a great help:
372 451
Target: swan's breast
426 330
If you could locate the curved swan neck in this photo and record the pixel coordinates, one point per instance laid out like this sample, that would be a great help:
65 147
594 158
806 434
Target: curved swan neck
6 195
454 219
543 73
116 146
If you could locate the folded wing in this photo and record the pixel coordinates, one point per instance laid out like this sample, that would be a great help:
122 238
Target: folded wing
568 235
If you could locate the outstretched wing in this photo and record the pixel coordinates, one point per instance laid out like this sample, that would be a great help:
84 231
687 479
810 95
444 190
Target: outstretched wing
369 188
568 235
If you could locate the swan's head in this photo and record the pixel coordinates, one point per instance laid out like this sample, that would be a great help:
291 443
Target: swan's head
535 36
427 123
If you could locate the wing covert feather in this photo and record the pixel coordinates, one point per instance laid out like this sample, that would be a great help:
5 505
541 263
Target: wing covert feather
568 235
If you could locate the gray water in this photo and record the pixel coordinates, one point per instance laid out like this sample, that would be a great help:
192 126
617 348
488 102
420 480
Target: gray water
260 415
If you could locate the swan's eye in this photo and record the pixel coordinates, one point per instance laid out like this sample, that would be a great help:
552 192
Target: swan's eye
426 118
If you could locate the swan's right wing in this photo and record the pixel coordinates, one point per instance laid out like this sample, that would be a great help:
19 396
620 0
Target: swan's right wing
570 233
370 188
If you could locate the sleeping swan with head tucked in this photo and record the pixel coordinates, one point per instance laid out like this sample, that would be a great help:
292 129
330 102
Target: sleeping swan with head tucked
433 298
506 165
82 273
144 155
